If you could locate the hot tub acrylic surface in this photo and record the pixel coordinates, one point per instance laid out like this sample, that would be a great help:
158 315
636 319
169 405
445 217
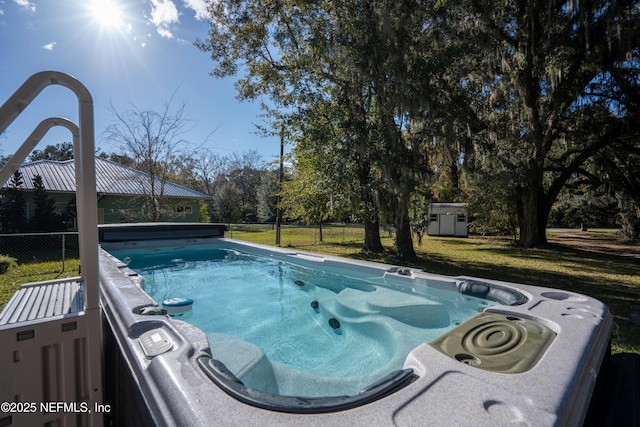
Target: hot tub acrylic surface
298 327
513 353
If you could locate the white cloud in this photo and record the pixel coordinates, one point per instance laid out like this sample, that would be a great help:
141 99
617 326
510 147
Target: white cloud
164 13
26 4
164 32
199 7
49 46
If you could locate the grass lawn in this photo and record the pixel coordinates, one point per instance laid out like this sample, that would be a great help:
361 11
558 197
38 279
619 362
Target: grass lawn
34 272
613 280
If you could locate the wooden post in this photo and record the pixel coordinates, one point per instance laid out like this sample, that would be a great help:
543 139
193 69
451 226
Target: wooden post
280 178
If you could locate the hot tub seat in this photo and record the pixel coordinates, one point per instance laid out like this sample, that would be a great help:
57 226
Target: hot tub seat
254 369
245 359
413 310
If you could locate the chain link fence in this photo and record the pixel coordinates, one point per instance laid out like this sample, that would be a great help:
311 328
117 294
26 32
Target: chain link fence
296 235
40 247
63 246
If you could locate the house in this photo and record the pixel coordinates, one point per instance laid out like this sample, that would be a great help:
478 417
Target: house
448 219
123 192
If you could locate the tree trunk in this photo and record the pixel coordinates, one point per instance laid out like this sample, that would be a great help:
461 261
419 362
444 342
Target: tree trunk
404 242
398 170
369 208
372 243
320 230
532 218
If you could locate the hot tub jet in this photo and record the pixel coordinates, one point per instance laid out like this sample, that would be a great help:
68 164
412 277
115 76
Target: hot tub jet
334 323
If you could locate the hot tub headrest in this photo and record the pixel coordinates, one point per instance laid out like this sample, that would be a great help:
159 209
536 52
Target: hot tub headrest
492 292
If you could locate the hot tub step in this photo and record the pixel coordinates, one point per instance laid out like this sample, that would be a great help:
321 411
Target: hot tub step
245 360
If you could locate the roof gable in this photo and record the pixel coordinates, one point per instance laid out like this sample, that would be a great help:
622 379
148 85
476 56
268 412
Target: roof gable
111 178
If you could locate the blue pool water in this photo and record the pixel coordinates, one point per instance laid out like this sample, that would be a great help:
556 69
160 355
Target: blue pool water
298 328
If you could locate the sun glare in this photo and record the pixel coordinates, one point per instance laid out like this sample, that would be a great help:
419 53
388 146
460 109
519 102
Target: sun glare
106 12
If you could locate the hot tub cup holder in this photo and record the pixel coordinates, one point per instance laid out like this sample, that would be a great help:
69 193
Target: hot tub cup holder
467 359
149 310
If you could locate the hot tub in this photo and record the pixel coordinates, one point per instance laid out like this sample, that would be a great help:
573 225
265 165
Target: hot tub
524 355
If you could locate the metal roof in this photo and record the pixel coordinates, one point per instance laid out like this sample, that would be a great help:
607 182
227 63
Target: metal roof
111 178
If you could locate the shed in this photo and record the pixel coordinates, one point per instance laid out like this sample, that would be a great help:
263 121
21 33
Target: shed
448 219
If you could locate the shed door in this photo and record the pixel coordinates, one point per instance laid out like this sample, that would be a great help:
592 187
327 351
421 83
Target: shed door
447 225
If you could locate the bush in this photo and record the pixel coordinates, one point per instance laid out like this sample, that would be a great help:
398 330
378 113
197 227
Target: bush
6 262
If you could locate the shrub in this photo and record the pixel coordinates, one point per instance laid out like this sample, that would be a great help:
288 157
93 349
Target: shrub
6 262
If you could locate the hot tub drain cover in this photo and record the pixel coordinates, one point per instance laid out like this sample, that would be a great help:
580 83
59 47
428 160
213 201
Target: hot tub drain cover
496 342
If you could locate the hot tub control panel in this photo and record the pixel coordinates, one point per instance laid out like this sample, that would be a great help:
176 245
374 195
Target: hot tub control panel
154 343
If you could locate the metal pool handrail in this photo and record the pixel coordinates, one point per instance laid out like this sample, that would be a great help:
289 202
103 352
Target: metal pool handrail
84 163
84 158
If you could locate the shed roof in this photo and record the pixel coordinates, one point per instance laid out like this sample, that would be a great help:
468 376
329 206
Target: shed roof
111 178
448 205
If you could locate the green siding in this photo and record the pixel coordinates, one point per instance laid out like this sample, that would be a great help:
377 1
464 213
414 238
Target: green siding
113 209
119 209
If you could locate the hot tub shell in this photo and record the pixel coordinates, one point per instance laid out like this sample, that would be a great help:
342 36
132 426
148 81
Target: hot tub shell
171 388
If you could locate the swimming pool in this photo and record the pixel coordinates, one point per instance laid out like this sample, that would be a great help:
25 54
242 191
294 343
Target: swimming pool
298 327
521 354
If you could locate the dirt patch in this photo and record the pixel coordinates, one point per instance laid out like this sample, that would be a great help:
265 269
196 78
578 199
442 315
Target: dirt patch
604 244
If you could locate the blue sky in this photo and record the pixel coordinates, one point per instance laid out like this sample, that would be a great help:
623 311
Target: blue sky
127 53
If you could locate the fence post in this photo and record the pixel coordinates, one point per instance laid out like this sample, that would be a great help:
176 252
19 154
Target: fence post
63 248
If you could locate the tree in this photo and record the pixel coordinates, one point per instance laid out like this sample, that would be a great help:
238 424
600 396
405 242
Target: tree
619 166
204 215
245 171
45 217
337 140
543 103
4 160
357 55
309 196
59 152
227 202
199 171
122 159
267 196
13 207
520 94
153 140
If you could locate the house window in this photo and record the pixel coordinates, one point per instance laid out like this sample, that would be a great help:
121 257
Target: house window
62 208
71 223
462 217
183 209
433 218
